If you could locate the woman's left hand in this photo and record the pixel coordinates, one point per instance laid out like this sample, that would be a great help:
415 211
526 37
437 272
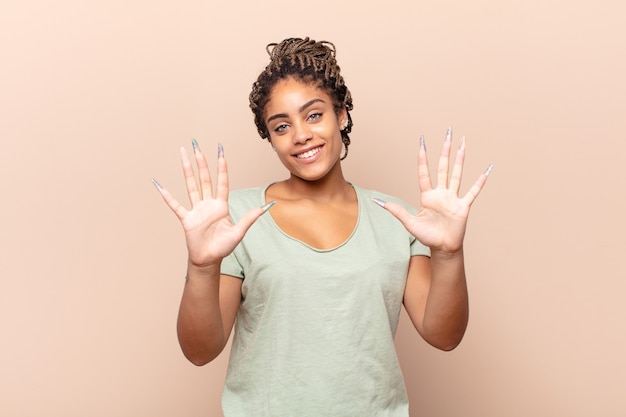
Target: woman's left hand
441 221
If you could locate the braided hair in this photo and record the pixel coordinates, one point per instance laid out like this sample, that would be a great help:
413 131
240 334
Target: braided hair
308 61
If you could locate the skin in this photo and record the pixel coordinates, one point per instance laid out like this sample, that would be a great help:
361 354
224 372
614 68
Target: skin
301 119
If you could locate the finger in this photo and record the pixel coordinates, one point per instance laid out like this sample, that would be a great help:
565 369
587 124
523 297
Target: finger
398 211
477 187
250 217
206 186
457 169
190 178
423 175
444 160
222 175
176 207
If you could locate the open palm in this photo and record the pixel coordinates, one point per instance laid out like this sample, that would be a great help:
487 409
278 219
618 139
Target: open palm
442 218
209 232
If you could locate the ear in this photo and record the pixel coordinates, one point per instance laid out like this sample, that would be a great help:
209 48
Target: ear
342 118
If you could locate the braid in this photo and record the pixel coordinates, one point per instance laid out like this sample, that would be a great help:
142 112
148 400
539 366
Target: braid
308 61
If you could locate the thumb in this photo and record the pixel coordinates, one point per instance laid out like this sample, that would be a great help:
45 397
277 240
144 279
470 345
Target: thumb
397 210
251 216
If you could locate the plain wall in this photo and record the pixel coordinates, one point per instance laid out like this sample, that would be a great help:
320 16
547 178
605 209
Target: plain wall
97 97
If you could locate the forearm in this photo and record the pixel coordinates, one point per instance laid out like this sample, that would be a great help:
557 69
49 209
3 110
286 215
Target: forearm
447 307
200 326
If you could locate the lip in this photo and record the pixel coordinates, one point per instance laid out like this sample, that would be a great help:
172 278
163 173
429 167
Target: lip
310 148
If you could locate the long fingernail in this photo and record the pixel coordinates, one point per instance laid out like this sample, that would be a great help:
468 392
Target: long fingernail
422 142
488 170
194 145
449 134
267 206
220 151
184 155
156 184
379 202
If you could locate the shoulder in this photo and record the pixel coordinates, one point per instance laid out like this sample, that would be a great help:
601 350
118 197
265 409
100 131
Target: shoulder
242 200
366 194
246 194
392 226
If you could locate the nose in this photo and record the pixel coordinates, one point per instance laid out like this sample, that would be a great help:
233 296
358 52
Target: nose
301 133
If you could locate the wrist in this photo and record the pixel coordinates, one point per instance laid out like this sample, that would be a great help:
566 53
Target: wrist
446 255
200 271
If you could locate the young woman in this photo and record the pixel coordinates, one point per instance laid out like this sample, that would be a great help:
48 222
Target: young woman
315 287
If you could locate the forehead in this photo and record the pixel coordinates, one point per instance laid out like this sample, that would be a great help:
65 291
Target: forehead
290 92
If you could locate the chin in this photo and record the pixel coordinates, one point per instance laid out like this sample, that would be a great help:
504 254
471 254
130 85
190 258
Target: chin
307 178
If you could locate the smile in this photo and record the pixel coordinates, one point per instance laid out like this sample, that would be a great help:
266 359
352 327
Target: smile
308 154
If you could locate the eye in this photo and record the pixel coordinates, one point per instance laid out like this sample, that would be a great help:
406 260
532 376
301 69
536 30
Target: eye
314 116
280 128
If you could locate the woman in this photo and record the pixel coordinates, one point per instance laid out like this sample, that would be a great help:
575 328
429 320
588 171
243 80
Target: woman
316 286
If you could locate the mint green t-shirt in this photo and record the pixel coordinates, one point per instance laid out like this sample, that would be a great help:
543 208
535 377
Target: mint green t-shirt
315 328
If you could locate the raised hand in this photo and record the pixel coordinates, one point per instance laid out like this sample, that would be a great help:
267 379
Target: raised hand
441 221
209 232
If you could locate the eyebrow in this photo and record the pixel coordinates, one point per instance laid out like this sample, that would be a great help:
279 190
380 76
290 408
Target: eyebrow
301 109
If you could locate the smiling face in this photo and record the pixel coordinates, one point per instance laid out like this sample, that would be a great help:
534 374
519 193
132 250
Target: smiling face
305 129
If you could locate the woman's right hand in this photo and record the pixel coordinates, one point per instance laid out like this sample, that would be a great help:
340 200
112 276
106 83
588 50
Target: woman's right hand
209 232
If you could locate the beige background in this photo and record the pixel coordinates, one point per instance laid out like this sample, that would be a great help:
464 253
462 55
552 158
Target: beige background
97 97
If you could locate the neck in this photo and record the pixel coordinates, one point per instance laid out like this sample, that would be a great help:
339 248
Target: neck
331 186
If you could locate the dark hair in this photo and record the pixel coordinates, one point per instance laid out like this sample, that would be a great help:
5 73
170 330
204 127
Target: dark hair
304 60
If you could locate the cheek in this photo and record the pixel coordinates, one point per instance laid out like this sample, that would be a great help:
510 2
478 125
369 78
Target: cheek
281 148
327 130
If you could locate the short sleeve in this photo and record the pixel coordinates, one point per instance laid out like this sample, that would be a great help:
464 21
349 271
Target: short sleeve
239 202
419 249
231 266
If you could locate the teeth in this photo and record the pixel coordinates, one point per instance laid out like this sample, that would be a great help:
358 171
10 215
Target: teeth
308 154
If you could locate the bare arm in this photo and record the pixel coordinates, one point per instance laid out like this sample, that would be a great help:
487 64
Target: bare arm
209 303
436 299
436 292
207 312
